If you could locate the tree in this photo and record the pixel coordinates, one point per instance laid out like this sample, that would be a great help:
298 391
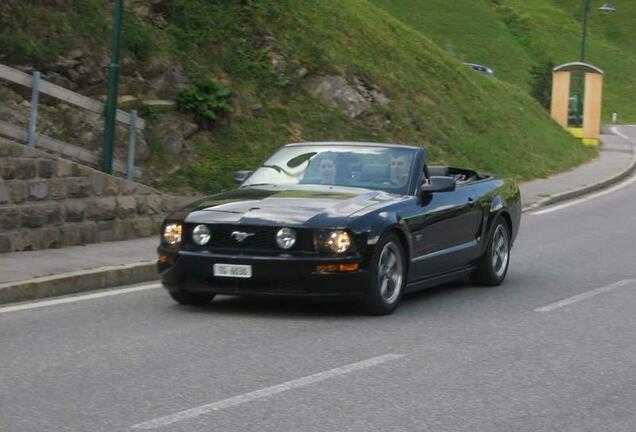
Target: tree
541 84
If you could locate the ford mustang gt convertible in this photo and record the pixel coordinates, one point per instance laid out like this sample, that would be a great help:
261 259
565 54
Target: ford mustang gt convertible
362 221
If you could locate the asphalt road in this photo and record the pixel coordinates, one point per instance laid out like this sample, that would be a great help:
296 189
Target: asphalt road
456 358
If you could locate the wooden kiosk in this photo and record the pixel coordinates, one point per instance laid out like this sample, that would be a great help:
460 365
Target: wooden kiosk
591 105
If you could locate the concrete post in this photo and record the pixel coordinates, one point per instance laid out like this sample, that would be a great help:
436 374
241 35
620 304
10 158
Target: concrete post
132 142
33 121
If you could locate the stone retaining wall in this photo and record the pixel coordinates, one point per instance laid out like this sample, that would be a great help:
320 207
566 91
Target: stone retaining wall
49 202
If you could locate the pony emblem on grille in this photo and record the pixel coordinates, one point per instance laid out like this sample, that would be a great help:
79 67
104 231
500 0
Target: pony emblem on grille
240 236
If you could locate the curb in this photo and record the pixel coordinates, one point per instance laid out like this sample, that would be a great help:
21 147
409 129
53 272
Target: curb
575 193
79 281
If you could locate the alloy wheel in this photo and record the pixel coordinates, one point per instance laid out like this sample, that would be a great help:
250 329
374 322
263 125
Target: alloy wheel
390 273
500 251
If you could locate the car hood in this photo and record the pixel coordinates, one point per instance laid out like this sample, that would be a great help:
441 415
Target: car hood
312 206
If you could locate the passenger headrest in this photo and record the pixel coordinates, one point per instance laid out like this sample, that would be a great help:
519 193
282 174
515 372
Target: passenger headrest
438 170
374 173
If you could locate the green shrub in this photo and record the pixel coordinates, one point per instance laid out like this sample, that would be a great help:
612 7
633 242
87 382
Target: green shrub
207 100
136 37
541 84
147 112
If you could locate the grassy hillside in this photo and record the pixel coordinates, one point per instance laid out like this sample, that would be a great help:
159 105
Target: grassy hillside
258 48
469 31
513 35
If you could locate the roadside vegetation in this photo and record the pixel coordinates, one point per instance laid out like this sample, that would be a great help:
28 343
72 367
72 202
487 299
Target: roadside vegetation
267 63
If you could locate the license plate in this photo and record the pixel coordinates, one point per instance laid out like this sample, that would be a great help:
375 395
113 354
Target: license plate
233 270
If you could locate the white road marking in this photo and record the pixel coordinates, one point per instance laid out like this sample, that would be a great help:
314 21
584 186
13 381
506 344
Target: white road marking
266 392
614 188
76 298
584 296
620 134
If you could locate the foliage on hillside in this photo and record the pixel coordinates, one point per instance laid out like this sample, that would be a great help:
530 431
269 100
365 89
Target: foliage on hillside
272 55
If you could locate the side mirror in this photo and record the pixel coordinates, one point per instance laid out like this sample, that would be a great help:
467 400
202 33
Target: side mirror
241 175
439 184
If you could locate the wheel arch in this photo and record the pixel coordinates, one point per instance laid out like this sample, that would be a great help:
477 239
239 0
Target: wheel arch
508 219
402 236
388 222
490 226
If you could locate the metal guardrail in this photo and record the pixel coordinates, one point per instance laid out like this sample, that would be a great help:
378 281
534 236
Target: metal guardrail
69 151
32 138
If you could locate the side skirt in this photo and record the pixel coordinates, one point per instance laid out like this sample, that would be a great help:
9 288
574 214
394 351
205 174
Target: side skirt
438 280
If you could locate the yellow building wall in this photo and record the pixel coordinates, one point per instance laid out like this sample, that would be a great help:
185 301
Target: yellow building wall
560 97
592 107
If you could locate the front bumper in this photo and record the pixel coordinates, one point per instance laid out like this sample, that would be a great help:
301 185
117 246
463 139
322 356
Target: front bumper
280 275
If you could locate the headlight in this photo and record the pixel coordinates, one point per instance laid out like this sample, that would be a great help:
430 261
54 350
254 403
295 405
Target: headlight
286 238
335 241
201 235
172 233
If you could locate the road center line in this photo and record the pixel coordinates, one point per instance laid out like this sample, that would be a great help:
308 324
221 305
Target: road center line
584 296
76 298
266 392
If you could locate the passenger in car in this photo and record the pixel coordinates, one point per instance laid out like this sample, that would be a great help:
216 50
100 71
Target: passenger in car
327 171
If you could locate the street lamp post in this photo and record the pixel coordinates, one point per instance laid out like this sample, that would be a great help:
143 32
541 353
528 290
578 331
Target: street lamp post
111 102
586 12
606 8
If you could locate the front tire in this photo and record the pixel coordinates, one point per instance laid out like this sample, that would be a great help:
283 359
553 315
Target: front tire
388 277
191 299
492 266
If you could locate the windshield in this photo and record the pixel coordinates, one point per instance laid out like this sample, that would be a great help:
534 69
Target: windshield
382 168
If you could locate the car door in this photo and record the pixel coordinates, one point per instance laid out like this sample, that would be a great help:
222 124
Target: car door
445 232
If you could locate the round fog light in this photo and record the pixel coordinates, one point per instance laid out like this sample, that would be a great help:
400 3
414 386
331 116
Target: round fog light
286 238
201 235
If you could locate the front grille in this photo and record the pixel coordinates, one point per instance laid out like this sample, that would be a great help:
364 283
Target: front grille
264 238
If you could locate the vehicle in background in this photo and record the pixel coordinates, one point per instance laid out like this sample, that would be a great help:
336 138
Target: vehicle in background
481 69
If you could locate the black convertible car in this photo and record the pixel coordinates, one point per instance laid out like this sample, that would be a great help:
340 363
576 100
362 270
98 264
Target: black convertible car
357 220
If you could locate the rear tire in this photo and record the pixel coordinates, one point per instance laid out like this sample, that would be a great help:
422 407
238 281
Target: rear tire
191 299
387 277
492 266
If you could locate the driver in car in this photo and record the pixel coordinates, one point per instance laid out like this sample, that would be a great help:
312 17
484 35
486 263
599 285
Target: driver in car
399 169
